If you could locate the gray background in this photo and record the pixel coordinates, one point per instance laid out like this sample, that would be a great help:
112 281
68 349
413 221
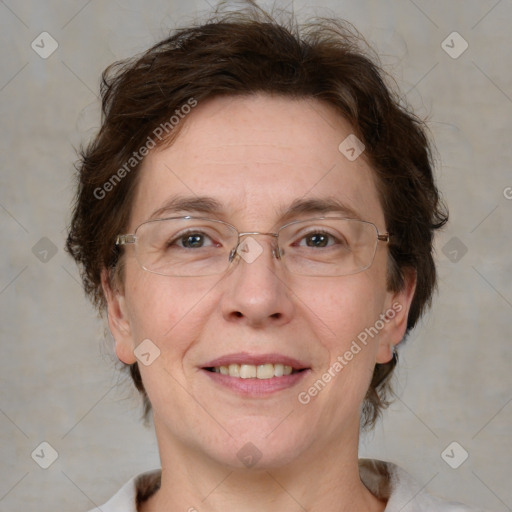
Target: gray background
58 377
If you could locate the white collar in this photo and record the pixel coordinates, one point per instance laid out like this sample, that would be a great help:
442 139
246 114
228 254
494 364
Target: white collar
383 479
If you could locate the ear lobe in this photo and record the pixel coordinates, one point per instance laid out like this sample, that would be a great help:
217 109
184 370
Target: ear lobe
118 320
396 317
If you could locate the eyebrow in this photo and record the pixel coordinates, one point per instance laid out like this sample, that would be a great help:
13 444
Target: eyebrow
320 206
183 204
209 205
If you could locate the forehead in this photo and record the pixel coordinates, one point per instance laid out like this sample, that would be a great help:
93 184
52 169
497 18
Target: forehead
255 156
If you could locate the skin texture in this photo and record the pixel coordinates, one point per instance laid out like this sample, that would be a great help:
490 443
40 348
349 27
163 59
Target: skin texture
256 155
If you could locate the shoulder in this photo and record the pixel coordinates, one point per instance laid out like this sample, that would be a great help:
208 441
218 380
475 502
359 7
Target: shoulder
388 481
137 489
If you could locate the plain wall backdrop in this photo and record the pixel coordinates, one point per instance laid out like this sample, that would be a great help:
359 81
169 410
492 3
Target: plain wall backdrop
59 384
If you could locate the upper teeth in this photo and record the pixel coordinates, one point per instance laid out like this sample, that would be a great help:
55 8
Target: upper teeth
252 371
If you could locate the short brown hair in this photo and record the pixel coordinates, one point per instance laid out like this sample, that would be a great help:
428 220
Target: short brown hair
244 53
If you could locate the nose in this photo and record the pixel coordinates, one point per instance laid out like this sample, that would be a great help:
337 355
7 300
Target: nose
256 292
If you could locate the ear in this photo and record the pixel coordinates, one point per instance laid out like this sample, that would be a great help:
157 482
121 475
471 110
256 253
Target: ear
118 320
395 317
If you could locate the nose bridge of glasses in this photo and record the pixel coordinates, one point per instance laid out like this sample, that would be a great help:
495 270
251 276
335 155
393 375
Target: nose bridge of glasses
249 233
274 249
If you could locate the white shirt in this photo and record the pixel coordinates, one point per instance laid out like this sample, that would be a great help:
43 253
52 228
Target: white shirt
383 479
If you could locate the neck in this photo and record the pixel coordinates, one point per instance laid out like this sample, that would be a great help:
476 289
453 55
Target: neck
324 479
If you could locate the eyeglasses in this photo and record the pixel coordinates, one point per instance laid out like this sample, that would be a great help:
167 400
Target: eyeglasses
196 246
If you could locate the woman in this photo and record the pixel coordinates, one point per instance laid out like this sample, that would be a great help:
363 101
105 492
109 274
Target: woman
256 215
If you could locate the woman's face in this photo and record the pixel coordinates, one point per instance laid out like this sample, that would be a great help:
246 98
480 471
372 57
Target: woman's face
254 157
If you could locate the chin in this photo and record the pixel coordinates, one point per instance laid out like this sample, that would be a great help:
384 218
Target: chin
261 445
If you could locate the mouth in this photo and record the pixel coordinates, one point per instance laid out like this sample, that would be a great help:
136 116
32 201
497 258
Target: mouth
251 371
256 375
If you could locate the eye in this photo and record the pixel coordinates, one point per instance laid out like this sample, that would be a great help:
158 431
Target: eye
318 239
192 240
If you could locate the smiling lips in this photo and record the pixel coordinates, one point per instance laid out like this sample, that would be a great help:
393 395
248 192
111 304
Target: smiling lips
247 366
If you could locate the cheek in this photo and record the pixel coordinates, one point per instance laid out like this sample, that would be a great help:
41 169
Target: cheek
342 314
167 310
343 307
